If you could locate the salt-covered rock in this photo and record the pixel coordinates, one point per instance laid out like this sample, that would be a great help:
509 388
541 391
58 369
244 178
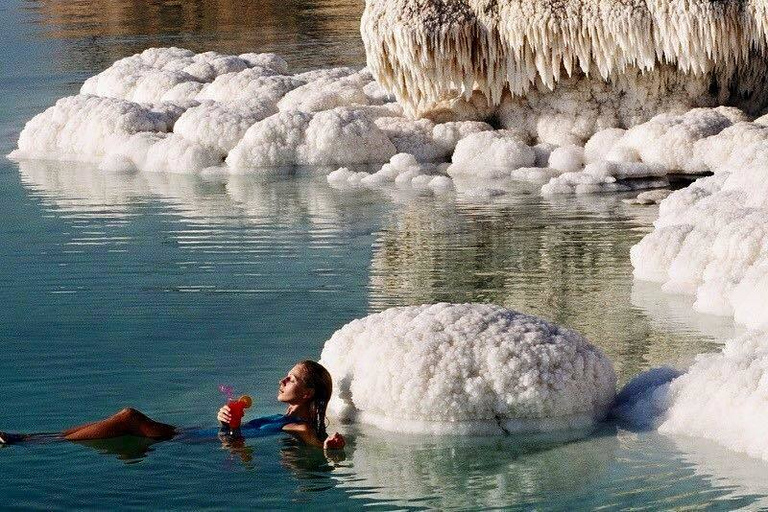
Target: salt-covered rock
333 137
83 127
427 51
722 397
489 155
466 368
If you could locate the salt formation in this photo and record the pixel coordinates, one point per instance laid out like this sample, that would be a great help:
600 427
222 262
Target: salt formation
722 397
466 368
710 239
171 110
431 52
402 172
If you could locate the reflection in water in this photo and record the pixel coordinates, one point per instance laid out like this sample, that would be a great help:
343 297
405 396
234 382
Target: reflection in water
93 34
77 191
608 469
566 261
128 449
725 469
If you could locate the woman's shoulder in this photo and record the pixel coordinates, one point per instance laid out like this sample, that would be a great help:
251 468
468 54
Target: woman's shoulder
294 424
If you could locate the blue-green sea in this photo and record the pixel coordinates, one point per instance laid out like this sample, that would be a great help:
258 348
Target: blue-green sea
150 290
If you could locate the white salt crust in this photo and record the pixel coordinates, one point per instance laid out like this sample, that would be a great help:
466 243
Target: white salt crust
430 52
171 110
722 397
466 369
711 238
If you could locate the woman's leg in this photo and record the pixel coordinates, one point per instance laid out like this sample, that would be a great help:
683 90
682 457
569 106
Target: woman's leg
6 438
128 422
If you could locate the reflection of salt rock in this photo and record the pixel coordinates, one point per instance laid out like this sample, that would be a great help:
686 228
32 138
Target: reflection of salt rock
83 127
427 472
466 368
744 477
722 397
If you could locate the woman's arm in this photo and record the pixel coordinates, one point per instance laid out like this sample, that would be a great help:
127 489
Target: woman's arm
224 414
308 436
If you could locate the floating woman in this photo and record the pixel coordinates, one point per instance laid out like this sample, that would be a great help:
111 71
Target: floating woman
306 390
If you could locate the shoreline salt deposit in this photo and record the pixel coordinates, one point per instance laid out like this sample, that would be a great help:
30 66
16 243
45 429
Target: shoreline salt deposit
171 110
710 239
466 369
722 397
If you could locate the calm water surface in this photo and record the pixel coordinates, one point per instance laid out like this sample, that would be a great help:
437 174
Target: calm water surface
150 290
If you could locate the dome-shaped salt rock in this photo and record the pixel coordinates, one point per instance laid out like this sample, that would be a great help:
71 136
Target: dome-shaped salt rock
466 368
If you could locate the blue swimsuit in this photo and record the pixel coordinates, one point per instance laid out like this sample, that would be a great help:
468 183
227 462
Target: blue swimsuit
257 427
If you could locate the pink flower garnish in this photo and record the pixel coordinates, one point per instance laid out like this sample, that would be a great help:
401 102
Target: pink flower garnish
227 391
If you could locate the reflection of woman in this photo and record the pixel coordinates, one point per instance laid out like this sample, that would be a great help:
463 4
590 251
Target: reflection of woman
306 389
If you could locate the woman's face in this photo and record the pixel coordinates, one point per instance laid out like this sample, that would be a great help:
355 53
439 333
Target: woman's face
292 389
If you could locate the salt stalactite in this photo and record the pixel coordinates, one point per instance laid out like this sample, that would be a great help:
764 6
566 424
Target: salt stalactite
428 52
466 368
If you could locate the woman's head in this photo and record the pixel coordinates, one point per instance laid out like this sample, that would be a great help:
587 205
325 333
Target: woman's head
308 382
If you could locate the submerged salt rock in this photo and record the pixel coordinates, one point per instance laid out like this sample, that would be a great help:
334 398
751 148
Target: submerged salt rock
466 368
650 197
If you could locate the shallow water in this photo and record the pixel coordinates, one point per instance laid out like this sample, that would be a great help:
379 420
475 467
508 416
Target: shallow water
150 290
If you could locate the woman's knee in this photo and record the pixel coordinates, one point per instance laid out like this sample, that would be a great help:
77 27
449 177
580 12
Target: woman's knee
129 413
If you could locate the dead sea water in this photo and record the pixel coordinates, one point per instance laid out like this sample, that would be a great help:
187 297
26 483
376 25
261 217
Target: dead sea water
150 290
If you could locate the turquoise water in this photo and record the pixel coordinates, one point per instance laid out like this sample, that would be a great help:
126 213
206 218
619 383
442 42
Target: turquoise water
150 290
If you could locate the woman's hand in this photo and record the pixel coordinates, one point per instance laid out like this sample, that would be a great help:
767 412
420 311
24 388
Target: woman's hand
334 442
224 414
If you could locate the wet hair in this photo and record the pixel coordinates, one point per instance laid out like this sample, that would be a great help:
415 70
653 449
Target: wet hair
317 378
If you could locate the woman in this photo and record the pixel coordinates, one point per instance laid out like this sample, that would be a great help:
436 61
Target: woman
306 390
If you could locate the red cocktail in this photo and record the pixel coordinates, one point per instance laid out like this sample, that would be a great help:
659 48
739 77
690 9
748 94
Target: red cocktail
237 410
